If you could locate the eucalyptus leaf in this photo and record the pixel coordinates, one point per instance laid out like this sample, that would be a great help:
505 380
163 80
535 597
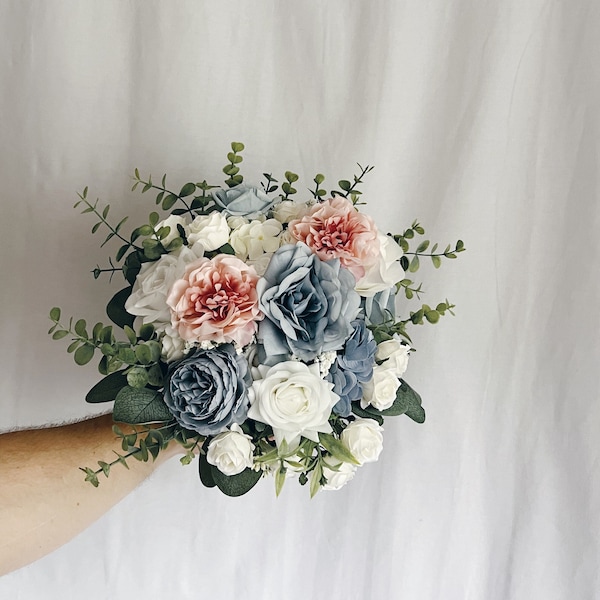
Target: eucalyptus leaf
235 485
107 388
84 354
138 406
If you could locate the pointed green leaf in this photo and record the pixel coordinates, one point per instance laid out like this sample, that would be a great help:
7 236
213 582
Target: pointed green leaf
337 449
205 471
138 406
235 485
116 308
106 389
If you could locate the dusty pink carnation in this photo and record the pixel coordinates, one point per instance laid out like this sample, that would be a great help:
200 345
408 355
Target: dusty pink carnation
335 229
216 301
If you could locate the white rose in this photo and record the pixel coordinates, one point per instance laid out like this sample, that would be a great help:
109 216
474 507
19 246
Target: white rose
231 451
173 347
385 273
339 474
255 238
380 390
210 231
171 222
363 438
288 210
395 356
148 298
294 400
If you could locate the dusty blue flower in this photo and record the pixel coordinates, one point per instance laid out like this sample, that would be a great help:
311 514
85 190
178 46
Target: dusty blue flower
308 303
358 355
243 201
380 308
207 391
346 386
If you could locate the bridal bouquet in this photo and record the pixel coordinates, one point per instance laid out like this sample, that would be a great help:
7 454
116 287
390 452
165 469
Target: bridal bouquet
257 330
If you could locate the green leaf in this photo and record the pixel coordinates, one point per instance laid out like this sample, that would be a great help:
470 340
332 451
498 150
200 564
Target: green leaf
279 479
55 314
235 485
414 264
319 178
432 316
130 333
367 413
437 261
187 190
237 146
155 376
315 480
138 406
336 448
423 246
143 354
84 354
460 246
58 335
145 229
105 467
415 411
205 471
345 185
146 331
80 328
169 201
106 389
116 308
73 346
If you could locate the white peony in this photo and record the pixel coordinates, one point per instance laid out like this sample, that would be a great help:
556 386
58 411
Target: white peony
380 390
255 238
363 438
288 210
171 222
294 400
148 298
385 273
394 355
231 451
210 231
338 474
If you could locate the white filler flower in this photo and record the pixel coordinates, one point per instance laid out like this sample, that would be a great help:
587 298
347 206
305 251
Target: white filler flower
294 400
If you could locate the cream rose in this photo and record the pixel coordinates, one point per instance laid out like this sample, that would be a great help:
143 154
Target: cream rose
384 273
363 438
288 210
231 451
394 355
380 390
209 231
294 400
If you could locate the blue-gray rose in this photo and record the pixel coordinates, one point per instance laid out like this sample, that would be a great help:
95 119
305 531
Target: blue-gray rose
208 390
381 307
346 386
308 303
358 354
243 201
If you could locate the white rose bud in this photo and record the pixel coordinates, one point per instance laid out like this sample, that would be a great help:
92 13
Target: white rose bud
363 438
171 221
173 347
338 475
380 391
231 451
395 356
210 231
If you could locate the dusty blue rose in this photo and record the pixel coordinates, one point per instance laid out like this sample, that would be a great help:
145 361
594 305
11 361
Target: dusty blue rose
380 308
243 201
308 303
207 391
346 386
358 355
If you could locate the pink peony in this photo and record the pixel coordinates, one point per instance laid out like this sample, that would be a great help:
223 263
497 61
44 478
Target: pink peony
335 229
216 301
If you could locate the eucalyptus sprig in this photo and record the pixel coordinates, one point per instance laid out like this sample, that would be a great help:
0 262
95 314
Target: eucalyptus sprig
350 188
231 169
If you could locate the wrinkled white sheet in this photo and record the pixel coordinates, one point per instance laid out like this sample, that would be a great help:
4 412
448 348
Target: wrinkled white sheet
482 121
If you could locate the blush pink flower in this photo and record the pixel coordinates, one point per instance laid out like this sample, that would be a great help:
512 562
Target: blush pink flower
335 229
216 300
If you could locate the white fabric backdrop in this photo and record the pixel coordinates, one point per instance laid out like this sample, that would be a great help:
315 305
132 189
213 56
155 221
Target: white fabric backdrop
482 120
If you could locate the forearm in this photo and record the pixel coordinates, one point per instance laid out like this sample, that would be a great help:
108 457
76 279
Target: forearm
44 500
